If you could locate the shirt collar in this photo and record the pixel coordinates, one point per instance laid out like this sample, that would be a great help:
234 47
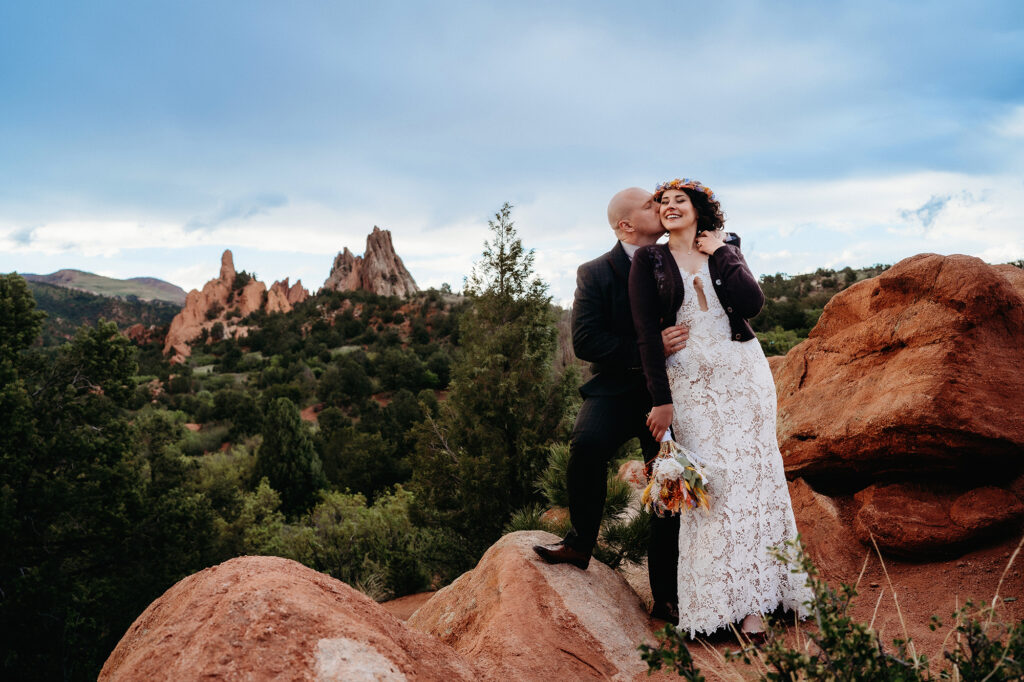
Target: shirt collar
630 249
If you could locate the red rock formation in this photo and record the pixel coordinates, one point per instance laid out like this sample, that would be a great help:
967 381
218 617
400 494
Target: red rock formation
379 269
267 618
519 618
828 540
141 334
632 472
918 520
218 299
281 298
919 369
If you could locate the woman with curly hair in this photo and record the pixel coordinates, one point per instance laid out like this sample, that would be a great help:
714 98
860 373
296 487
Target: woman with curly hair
718 396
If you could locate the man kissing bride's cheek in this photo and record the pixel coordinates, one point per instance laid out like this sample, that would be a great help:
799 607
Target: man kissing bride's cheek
665 328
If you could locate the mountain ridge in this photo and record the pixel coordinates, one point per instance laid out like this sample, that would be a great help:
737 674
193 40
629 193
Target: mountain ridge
142 288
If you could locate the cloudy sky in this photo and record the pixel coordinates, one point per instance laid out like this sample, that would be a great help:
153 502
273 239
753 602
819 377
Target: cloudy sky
143 138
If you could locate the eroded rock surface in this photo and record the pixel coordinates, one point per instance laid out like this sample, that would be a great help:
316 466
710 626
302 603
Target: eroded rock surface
918 370
379 269
519 618
920 521
221 302
267 618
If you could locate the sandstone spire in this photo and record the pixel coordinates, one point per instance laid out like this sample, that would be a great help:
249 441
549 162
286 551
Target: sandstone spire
220 302
227 267
379 269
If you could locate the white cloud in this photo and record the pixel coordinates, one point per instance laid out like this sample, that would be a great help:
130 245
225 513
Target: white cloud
786 227
1011 124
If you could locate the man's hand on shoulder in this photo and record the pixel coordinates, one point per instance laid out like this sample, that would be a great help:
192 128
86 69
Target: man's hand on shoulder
674 338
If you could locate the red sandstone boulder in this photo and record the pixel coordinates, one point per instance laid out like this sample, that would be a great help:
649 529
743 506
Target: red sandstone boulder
918 369
775 362
518 618
919 521
266 618
632 472
828 541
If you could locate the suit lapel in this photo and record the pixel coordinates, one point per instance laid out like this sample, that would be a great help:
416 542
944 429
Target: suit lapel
620 263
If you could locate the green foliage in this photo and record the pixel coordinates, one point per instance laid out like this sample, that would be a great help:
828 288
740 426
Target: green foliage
288 458
624 539
844 649
621 539
359 461
794 303
778 341
68 309
377 545
552 482
479 460
241 279
20 322
671 653
986 649
91 522
530 517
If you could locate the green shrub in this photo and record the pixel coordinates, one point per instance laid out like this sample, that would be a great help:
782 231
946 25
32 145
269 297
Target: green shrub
983 649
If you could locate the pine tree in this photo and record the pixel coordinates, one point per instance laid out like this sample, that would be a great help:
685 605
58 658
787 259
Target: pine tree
288 457
478 460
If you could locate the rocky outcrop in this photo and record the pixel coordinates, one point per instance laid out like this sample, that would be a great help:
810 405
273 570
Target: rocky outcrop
282 299
919 521
267 618
519 618
225 301
919 370
379 269
910 388
826 537
142 334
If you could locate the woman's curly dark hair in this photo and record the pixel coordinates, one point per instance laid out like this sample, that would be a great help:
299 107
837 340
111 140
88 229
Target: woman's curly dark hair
709 211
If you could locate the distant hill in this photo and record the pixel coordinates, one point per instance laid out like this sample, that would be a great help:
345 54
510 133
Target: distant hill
67 309
142 288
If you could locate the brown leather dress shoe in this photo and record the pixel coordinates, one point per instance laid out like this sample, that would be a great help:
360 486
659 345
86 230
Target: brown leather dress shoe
561 553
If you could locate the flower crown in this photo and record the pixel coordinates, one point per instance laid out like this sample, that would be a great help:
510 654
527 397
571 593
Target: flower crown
682 183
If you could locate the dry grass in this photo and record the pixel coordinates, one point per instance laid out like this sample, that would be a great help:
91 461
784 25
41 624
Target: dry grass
715 665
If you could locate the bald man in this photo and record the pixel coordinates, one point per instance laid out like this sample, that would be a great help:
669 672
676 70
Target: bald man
615 400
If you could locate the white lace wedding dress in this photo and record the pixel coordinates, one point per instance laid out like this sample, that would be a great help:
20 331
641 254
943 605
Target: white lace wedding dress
723 399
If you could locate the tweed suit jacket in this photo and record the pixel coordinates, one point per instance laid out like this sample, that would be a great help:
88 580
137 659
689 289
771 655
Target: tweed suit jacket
602 326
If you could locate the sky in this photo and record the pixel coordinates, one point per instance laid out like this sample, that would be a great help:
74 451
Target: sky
144 138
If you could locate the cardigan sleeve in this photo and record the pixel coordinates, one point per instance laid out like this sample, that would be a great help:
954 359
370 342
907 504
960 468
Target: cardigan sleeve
738 281
644 304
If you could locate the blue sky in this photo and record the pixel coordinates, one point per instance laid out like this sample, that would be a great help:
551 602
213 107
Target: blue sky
142 138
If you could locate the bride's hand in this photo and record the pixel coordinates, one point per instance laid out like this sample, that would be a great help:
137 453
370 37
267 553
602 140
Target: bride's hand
710 241
659 420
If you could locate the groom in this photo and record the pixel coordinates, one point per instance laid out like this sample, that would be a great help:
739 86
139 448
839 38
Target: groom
615 400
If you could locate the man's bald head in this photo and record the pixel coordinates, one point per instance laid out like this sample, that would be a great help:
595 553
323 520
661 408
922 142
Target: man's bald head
624 203
634 216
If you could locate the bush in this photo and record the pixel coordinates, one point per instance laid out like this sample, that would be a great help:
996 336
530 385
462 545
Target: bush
620 540
844 649
778 341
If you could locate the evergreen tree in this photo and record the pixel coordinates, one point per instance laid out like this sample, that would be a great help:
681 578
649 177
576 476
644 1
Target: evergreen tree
478 460
288 458
86 542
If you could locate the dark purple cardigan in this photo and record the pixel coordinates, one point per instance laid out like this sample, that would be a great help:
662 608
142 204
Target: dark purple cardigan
656 293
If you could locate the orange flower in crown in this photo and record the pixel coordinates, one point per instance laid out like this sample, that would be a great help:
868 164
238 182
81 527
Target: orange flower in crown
682 183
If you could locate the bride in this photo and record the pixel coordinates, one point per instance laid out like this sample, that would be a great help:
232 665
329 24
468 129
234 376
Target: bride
718 396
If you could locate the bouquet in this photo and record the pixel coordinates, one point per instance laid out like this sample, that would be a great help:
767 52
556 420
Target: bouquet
677 480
